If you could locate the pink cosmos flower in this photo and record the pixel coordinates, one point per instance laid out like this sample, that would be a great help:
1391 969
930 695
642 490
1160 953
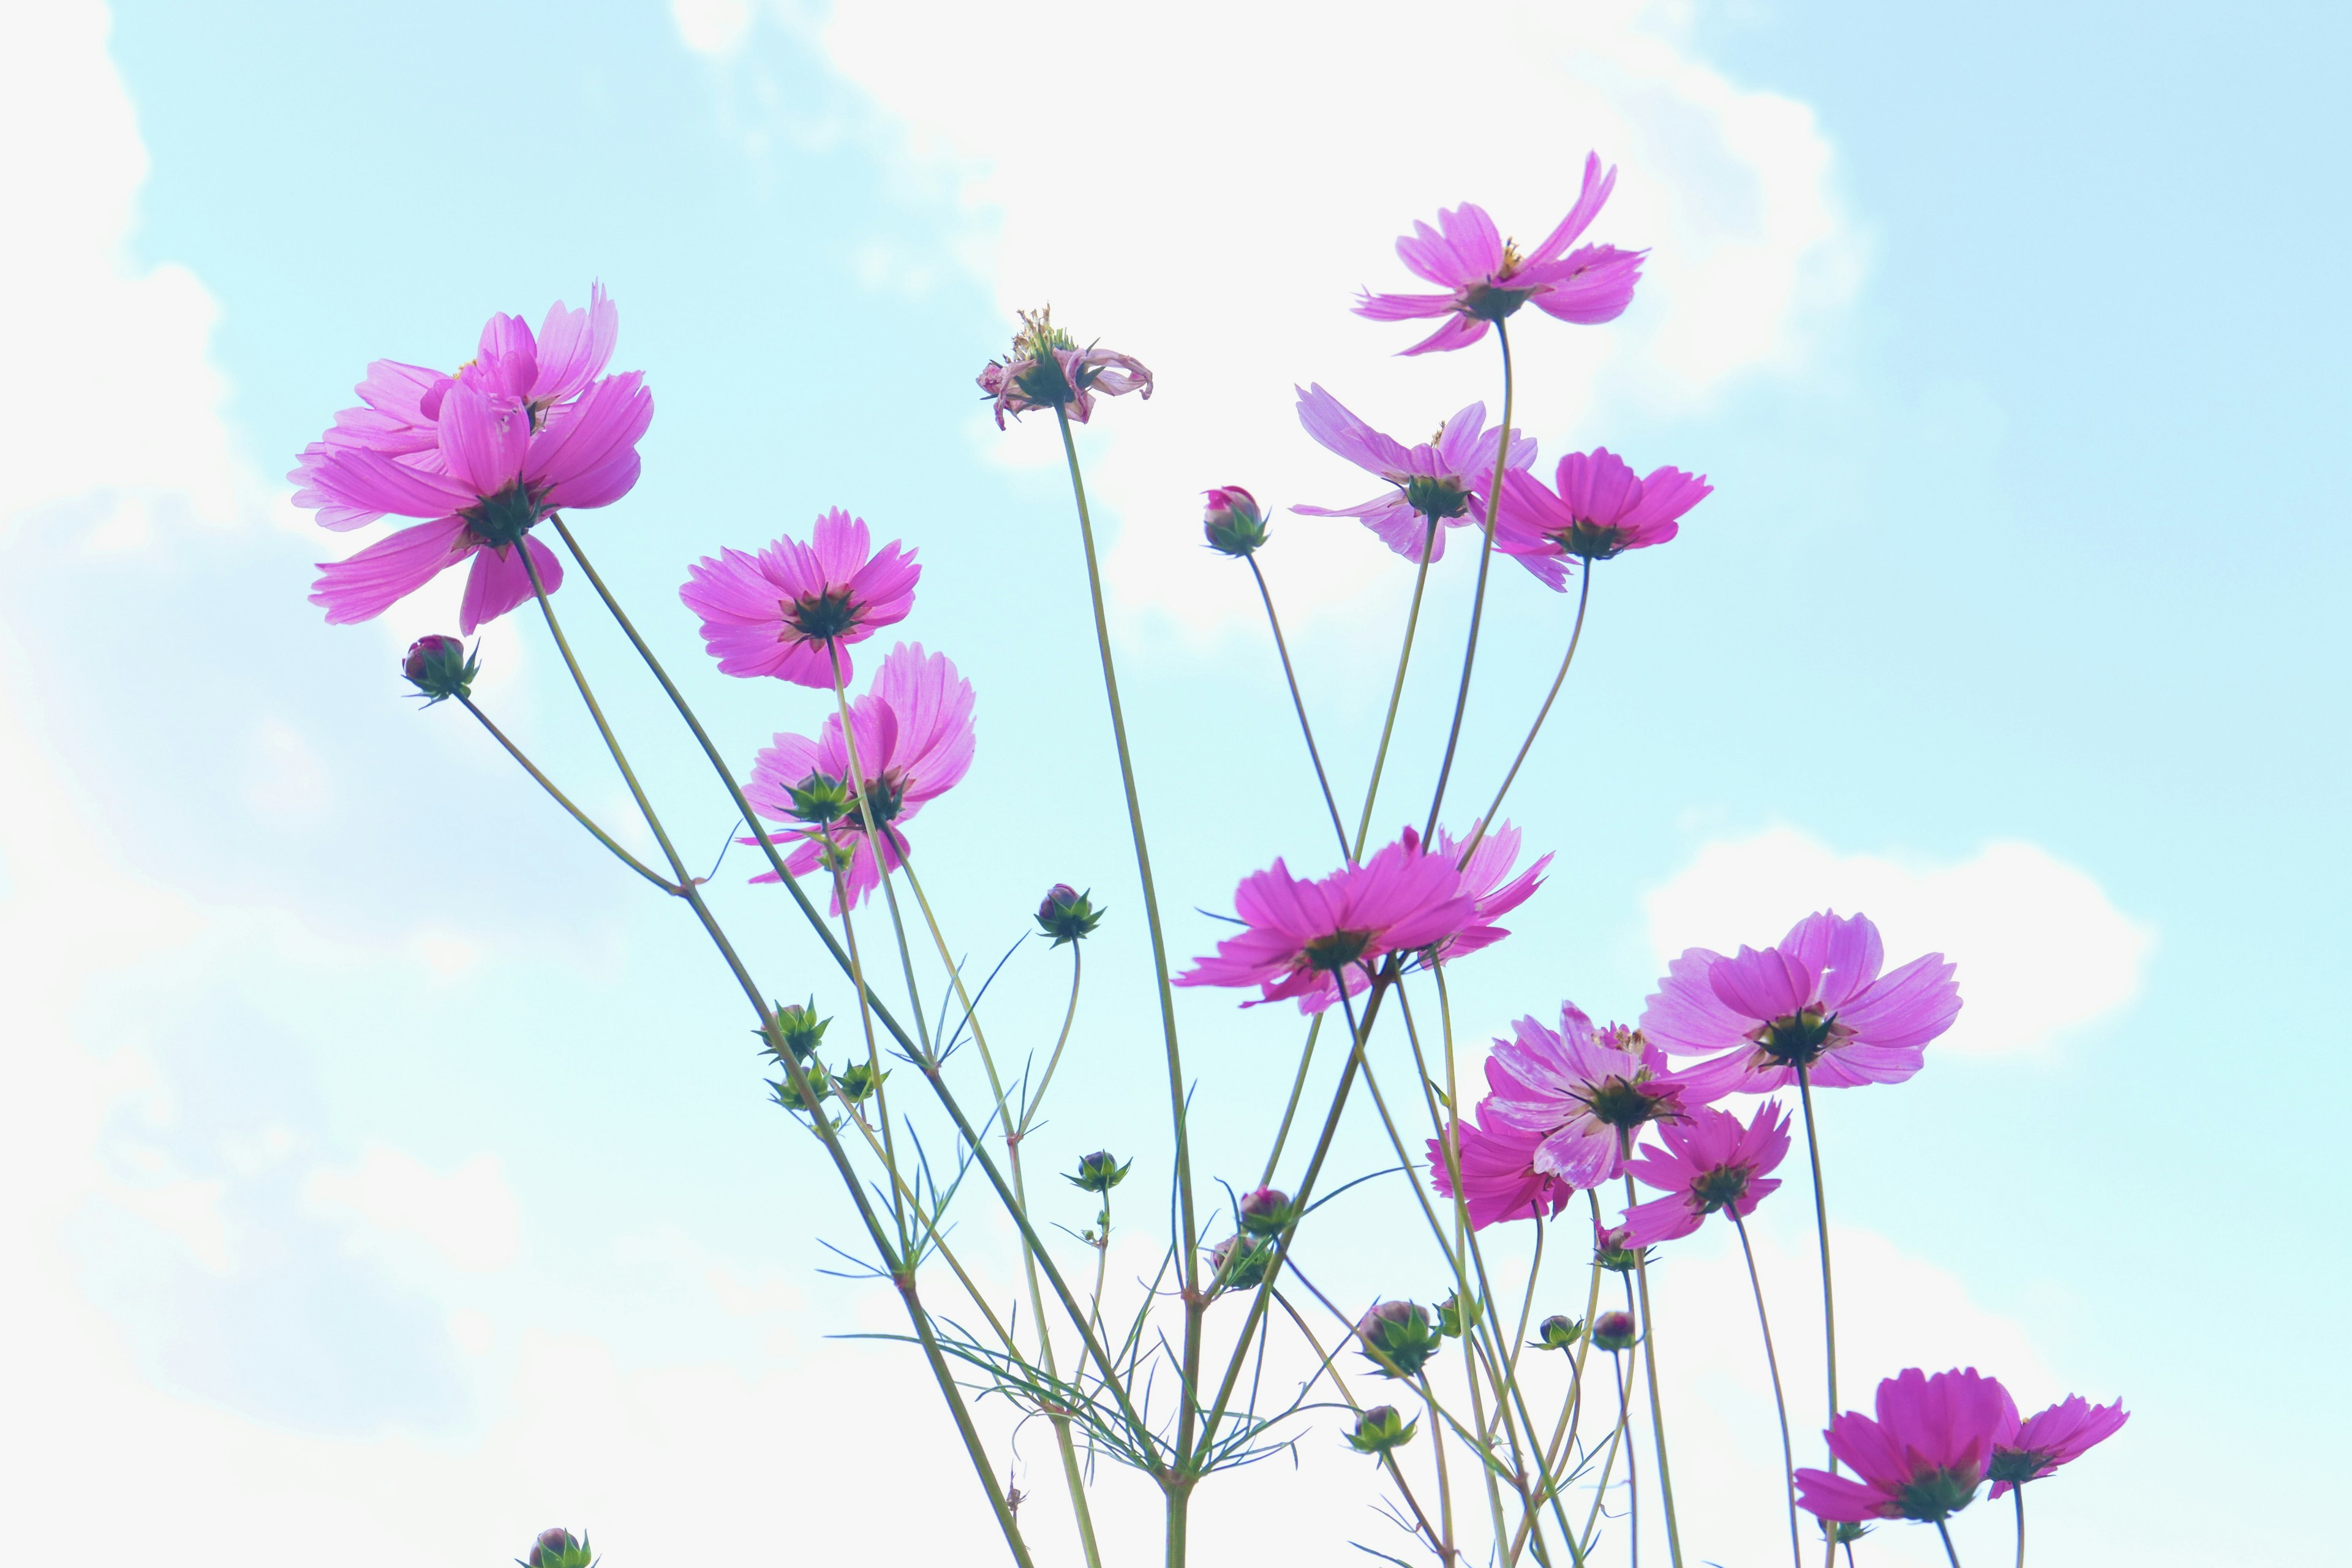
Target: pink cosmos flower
1048 370
1586 1094
790 609
1446 479
1486 877
525 430
914 734
1816 1001
1711 1161
2029 1449
1485 278
1922 1460
1303 939
1599 511
1499 1181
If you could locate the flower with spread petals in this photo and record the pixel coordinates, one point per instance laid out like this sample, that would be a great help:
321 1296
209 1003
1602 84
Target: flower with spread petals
525 430
1485 278
1048 370
1499 1179
914 734
1711 1161
1587 1094
1816 1001
1596 509
791 610
1439 484
1486 877
2029 1449
1305 939
1923 1458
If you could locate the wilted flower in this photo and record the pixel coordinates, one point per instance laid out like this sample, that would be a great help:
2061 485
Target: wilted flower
1099 1171
1923 1458
1048 370
440 668
1440 482
1068 915
1381 1429
1397 1338
1599 511
792 610
1614 1332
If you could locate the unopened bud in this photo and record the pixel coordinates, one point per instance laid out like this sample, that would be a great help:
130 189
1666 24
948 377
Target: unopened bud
1240 1262
559 1549
1267 1212
1232 521
440 668
858 1080
1381 1429
1614 1332
1557 1333
820 799
794 1028
1612 1249
820 1089
1099 1171
1450 1316
1066 915
1397 1338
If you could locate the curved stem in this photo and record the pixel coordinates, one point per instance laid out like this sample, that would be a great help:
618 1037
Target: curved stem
1298 702
1953 1556
1070 1014
578 815
1583 598
1478 597
1781 1404
1396 689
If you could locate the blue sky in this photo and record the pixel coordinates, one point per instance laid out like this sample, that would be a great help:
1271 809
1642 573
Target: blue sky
378 1155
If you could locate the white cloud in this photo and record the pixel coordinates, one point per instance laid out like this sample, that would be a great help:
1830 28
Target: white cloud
2041 947
1207 195
711 26
468 1215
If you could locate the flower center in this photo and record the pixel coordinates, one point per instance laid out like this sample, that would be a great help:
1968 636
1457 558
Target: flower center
820 617
1590 539
1337 950
1933 1496
1618 1103
1799 1039
1489 301
2016 1465
502 520
1720 1188
1435 498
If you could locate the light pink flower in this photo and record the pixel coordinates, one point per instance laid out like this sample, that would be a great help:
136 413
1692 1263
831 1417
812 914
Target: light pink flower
1599 511
1486 877
1446 479
914 734
1711 1161
1922 1460
1485 278
789 610
1586 1094
1817 1000
2029 1449
1047 370
525 430
1306 938
1499 1181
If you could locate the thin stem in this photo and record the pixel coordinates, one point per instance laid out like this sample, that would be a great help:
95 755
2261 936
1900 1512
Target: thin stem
1657 1413
2017 1491
1190 1231
1953 1556
578 815
1298 702
1029 1111
1620 1435
1396 689
1821 1228
1437 1542
1583 598
1772 1364
1478 597
1290 1105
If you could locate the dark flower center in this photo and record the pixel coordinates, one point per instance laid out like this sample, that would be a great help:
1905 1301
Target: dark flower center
1489 301
822 616
2017 1465
1621 1104
1933 1496
1436 498
502 520
1720 1188
1336 952
1799 1039
1044 384
1590 540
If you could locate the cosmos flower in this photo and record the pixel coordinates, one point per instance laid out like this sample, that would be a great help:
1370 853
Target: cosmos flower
2029 1449
1442 481
1816 1001
1924 1457
792 609
1599 509
914 734
1586 1094
1047 370
1485 278
1711 1161
1499 1181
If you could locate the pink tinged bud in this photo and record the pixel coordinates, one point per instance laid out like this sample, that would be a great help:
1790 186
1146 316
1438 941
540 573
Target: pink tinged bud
1233 521
1397 1338
440 668
559 1549
1267 1212
1614 1331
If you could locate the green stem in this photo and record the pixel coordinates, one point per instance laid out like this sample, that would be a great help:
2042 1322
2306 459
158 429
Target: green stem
1396 689
1194 1303
1298 702
1953 1556
1619 1437
1657 1413
1070 1014
578 815
1583 598
1478 597
2018 1492
1781 1404
1821 1228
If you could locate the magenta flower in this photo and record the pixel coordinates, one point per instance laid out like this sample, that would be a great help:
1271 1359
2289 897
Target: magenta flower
1816 1001
1711 1161
525 430
914 734
1305 939
1485 278
1441 481
2029 1449
1499 1181
1922 1460
1486 877
793 609
1586 1094
1048 370
1599 511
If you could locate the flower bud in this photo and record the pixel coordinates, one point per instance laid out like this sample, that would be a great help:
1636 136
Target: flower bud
1611 1250
1397 1338
1067 915
820 1089
1614 1332
1098 1171
1379 1429
1240 1261
858 1080
1557 1333
820 798
1232 521
1267 1212
559 1549
1844 1532
440 668
794 1028
1450 1316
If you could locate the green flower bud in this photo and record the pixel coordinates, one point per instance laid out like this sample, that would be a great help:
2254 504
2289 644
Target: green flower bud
1397 1338
795 1029
1067 914
820 798
1240 1261
440 668
1557 1333
1098 1171
1614 1332
1267 1212
559 1549
1382 1429
1450 1316
858 1080
1233 521
820 1089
